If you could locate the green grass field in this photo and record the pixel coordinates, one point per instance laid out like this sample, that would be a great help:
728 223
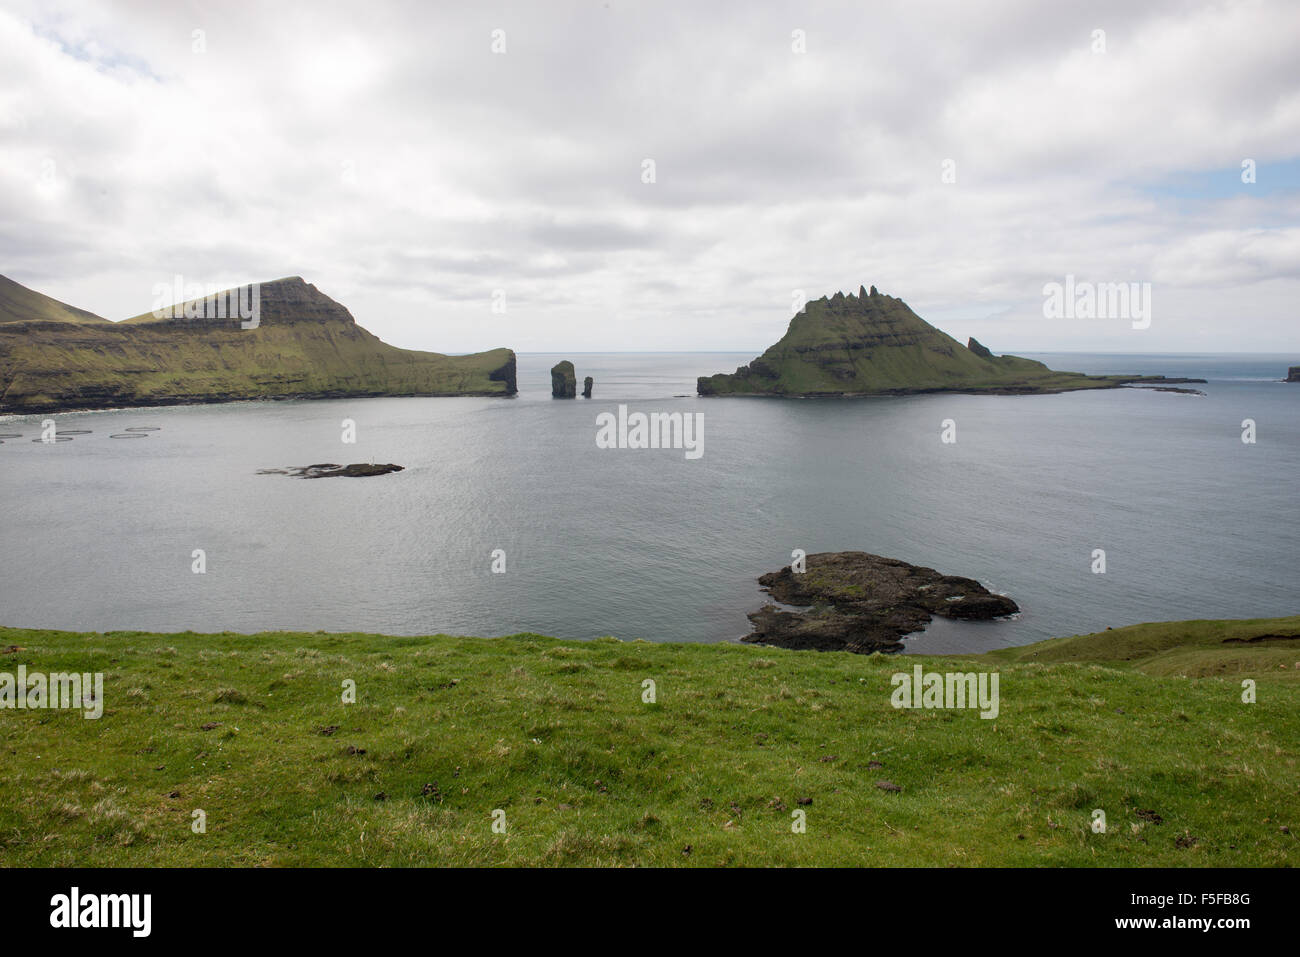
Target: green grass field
1145 723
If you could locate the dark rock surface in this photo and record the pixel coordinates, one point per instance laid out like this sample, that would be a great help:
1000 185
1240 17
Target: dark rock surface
982 351
586 387
330 470
856 601
564 381
1170 388
1293 374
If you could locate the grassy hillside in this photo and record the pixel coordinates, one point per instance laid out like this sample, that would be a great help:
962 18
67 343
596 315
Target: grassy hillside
872 343
306 345
20 304
251 729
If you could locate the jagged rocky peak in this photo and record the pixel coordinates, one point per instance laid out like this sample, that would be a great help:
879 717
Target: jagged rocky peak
294 299
564 381
280 301
874 344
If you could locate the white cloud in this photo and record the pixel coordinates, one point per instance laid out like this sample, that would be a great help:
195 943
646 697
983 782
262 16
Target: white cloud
387 155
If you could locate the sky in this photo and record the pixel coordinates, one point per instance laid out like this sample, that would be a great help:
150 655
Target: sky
467 176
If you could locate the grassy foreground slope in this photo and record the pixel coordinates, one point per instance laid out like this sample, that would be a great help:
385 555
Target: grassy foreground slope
251 729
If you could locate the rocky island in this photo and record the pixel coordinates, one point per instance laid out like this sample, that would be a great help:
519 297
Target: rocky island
1293 374
564 380
304 345
330 470
856 601
873 344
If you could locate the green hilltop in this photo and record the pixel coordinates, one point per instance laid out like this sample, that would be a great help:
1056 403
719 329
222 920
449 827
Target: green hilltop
20 304
875 344
305 345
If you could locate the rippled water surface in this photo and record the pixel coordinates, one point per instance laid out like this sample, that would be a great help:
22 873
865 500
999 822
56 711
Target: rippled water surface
98 532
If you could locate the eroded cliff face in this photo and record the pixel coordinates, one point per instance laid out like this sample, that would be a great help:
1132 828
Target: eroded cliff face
564 380
875 344
304 345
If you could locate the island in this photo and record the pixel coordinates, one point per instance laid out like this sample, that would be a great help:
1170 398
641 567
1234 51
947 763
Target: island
1293 374
873 344
302 345
331 470
856 601
564 380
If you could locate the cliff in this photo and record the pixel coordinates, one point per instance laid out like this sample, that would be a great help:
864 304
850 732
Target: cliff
564 380
304 345
873 344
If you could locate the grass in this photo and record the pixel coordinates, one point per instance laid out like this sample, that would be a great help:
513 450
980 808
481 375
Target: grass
1146 723
306 346
875 344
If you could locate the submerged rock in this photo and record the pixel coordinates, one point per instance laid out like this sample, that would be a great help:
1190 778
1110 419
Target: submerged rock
564 381
586 387
856 601
330 470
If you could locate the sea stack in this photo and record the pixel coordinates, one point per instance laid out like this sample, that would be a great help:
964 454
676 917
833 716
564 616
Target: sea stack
564 381
1293 374
587 383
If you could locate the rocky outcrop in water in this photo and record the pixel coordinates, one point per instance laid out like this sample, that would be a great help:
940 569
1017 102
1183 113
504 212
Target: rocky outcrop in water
564 381
330 470
1293 374
856 601
586 387
873 344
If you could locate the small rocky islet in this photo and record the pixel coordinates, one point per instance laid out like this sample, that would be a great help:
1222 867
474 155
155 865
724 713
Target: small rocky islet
860 602
564 381
330 470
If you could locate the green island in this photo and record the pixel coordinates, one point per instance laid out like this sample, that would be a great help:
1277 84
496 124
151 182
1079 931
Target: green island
873 344
1146 723
304 345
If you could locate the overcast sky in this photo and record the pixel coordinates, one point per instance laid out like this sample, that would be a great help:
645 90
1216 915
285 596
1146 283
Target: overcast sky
386 153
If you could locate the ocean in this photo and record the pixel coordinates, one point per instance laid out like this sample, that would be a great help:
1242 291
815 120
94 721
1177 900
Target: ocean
101 533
